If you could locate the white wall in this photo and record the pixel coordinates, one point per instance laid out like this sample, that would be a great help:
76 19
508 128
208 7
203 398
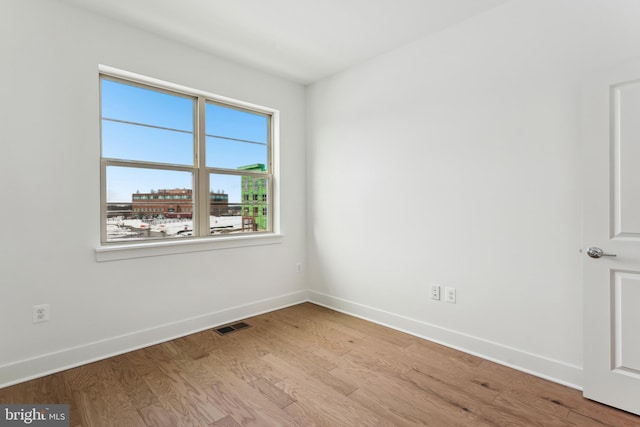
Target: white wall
49 174
455 161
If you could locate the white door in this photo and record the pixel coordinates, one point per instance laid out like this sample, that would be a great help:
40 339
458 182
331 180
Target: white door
611 222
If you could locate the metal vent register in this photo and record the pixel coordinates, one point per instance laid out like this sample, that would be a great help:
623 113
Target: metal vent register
223 330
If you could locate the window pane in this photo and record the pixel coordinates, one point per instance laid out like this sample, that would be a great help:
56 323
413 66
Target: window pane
148 203
244 212
145 124
232 154
235 138
150 107
131 142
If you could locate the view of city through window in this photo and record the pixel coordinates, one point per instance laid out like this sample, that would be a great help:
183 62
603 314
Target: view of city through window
153 159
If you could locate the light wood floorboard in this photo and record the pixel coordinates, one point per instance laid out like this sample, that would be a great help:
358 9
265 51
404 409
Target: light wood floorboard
309 366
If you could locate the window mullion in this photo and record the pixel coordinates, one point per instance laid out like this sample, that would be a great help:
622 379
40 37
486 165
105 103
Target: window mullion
202 179
147 165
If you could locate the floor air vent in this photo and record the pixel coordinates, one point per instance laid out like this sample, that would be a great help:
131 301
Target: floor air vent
223 330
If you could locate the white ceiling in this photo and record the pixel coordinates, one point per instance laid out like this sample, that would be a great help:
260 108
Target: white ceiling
302 40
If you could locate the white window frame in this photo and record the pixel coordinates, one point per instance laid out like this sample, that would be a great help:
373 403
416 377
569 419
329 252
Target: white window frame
109 251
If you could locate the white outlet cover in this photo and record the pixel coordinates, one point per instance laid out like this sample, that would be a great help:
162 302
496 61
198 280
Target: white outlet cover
450 294
40 313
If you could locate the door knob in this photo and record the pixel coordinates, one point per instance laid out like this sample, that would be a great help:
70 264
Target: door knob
595 252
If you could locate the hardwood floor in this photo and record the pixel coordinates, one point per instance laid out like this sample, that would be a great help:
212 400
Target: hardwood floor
305 366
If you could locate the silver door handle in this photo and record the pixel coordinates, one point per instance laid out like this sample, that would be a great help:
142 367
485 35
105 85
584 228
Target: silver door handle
595 252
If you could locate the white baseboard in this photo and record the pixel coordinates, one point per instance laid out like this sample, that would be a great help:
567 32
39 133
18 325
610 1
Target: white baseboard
537 365
46 364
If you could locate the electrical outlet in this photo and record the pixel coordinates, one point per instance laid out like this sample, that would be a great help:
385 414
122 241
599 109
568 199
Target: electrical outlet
435 292
450 294
299 267
40 313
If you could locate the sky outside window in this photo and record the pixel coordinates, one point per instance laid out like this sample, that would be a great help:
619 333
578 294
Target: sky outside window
235 138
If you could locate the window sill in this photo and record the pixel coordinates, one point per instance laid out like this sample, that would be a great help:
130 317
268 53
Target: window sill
150 249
